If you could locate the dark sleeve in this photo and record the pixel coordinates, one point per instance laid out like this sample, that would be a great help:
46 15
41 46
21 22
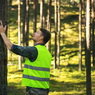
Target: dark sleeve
29 52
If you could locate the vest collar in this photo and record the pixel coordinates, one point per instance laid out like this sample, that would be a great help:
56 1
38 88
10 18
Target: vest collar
40 44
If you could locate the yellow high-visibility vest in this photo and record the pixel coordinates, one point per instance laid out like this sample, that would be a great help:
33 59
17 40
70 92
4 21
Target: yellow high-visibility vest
37 74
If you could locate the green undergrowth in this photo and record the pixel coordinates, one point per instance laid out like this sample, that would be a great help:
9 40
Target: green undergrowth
65 80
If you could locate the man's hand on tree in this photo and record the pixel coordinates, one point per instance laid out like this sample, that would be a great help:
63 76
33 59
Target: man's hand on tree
2 29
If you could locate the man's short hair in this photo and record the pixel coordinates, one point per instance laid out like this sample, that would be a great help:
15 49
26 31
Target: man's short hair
46 35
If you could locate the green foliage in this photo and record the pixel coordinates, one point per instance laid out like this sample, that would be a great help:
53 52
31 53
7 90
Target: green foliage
65 80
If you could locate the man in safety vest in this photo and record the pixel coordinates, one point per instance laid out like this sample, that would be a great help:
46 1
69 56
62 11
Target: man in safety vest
36 73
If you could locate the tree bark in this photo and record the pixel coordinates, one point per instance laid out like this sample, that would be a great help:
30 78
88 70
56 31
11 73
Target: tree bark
34 15
27 23
93 32
24 16
55 65
84 9
3 51
44 14
58 32
88 34
80 35
41 13
49 23
19 33
50 8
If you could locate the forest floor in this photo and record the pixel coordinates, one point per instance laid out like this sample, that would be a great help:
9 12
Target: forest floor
66 79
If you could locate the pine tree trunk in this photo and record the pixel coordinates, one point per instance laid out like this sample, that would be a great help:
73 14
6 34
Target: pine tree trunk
80 35
88 34
44 15
55 64
19 32
34 15
3 51
49 23
24 16
58 32
24 23
50 8
84 9
41 13
27 23
93 32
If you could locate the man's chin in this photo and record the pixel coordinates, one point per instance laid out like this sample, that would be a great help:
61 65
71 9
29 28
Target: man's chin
33 39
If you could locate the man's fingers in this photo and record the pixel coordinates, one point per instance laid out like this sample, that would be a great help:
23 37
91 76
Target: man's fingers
0 22
5 27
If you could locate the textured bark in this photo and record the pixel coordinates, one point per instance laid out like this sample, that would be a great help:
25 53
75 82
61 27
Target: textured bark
80 35
41 13
24 17
3 51
93 32
58 32
84 9
88 44
34 15
49 23
27 22
55 64
19 32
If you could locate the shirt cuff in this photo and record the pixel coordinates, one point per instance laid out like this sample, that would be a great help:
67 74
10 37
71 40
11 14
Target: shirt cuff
13 47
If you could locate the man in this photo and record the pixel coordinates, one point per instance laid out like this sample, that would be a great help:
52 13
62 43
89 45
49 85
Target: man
36 72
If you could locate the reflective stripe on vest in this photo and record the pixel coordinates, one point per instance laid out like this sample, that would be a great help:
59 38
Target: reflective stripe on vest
37 68
35 78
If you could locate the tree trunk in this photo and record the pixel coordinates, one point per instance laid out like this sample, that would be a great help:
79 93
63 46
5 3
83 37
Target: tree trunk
34 15
55 65
3 51
24 16
80 35
50 8
19 32
93 32
44 15
24 24
27 23
84 29
49 23
88 30
41 13
58 32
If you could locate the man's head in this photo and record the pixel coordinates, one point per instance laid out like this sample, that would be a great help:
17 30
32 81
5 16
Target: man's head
41 36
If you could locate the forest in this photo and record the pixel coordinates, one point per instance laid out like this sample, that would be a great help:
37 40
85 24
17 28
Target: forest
71 24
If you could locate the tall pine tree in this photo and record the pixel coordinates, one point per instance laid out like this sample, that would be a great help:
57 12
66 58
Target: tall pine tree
88 54
3 51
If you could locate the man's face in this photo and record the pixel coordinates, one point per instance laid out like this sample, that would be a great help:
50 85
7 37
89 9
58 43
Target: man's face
37 36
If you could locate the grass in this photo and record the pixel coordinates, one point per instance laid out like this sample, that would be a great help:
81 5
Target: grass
66 79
